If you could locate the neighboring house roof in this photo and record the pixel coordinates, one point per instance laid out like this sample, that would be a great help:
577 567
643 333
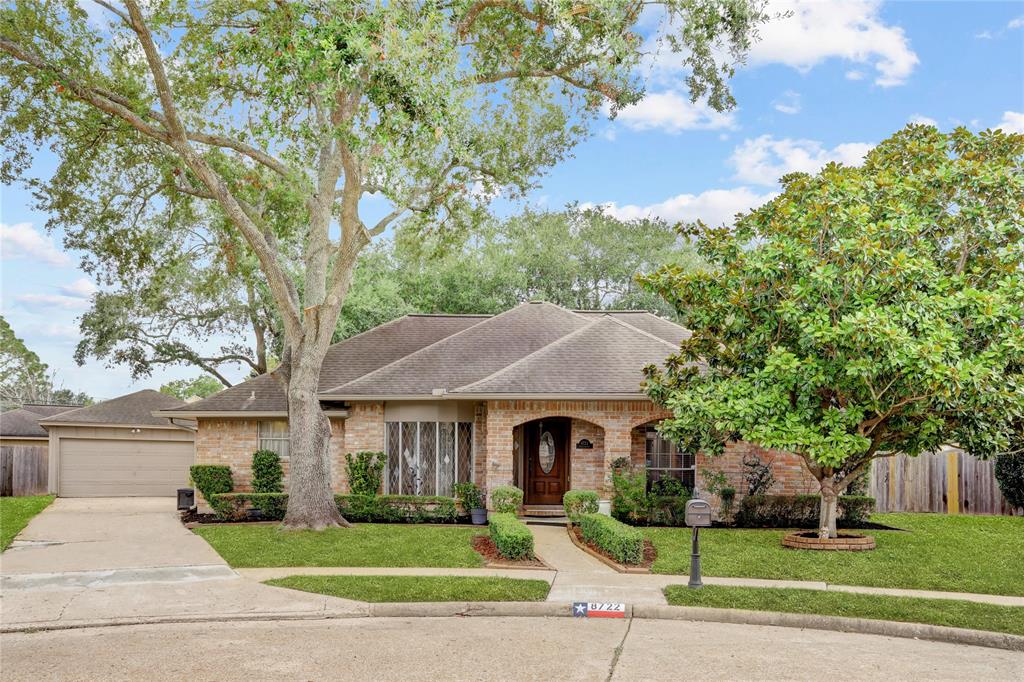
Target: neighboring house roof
533 349
24 421
134 409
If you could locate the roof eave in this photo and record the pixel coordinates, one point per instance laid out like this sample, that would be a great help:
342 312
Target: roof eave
454 395
236 414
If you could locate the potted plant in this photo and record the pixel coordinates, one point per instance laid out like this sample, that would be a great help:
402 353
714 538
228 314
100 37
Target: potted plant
471 497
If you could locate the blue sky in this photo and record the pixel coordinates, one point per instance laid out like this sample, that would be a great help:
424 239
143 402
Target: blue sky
824 84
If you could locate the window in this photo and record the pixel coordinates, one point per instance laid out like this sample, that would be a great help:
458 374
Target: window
273 436
427 458
664 461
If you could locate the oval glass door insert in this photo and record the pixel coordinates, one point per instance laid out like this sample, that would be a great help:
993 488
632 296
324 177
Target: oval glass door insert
546 452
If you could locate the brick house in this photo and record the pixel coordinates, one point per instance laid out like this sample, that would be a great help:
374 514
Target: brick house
538 396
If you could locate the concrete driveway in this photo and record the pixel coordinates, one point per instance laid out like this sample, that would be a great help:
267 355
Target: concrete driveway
98 560
98 534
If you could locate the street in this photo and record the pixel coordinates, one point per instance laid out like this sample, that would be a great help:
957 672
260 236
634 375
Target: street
487 649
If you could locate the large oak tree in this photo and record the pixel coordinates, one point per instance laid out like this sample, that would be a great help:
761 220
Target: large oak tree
285 118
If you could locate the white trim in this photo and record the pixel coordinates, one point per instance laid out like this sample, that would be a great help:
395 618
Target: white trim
103 425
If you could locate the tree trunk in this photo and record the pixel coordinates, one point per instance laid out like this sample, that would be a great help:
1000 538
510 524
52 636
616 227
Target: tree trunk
827 513
310 498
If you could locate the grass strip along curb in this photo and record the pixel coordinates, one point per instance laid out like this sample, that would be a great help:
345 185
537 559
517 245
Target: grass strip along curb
414 588
942 612
16 512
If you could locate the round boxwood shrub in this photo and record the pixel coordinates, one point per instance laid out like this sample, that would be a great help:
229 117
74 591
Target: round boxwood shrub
1010 476
267 474
211 479
579 502
507 499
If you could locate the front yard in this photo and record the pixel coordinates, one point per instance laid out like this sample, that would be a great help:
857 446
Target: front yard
947 612
933 552
16 512
366 544
409 588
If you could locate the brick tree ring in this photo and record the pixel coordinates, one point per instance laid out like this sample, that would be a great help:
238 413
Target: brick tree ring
846 542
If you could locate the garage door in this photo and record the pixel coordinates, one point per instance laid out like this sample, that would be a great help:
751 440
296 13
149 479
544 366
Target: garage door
97 467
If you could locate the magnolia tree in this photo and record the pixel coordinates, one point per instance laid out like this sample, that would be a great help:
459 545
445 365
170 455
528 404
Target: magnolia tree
286 119
864 312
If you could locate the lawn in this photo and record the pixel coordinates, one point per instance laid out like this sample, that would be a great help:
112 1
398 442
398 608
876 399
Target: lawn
367 544
16 512
933 552
381 588
948 612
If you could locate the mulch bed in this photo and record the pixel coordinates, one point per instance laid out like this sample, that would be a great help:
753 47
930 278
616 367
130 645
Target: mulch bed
484 546
650 554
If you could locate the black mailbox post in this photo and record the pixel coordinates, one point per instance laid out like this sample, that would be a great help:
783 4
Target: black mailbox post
698 515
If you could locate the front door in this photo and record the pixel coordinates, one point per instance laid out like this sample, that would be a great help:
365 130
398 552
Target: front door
547 462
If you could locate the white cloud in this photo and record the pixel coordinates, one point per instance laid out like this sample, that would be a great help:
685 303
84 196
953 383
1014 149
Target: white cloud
20 240
672 112
854 75
852 30
82 287
921 119
983 35
1013 122
788 103
715 207
1016 22
765 159
53 301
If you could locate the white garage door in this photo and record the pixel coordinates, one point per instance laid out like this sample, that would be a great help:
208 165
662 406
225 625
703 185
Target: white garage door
97 467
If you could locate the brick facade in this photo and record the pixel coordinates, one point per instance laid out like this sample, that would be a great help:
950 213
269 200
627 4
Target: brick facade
615 429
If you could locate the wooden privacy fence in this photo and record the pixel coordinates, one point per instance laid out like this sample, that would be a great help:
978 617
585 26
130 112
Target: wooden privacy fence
23 470
949 482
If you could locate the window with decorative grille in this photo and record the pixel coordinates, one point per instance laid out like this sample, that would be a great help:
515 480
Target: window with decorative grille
273 436
427 458
664 460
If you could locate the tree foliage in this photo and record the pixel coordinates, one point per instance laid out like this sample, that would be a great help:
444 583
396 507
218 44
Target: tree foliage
864 312
202 386
24 378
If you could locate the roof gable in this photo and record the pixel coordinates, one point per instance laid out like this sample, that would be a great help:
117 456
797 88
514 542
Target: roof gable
131 409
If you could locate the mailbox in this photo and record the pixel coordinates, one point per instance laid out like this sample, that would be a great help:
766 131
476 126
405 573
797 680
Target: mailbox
698 514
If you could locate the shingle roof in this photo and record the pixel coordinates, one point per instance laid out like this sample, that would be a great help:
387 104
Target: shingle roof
48 409
648 322
345 361
132 409
470 355
21 423
607 356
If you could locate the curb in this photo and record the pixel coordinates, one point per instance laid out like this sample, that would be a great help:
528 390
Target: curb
936 633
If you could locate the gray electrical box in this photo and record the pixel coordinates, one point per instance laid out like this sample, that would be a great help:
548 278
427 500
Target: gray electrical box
698 514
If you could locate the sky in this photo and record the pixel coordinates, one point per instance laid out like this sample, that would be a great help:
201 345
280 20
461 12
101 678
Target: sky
824 84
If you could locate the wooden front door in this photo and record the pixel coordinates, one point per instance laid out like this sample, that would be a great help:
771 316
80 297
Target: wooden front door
547 461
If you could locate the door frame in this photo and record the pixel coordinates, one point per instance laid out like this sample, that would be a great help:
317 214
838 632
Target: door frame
529 448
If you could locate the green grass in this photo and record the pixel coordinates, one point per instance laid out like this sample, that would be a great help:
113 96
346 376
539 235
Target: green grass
367 544
16 512
948 612
934 552
405 588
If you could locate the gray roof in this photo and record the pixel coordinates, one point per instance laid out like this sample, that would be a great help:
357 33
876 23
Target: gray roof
24 422
534 348
345 361
134 409
607 356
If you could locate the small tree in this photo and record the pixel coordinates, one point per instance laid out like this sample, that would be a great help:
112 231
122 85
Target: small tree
864 312
267 473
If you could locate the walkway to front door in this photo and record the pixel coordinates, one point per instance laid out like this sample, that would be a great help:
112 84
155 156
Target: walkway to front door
546 449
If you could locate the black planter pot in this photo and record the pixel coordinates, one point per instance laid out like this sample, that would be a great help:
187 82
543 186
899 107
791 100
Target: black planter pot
479 516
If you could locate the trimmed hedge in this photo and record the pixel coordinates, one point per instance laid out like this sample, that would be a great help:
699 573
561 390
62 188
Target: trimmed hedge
507 499
365 471
1009 468
579 502
211 479
511 536
267 474
356 508
624 543
799 511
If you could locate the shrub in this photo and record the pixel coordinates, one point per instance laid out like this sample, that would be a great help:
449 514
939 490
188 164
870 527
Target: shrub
507 499
728 497
364 471
1010 476
211 479
267 474
624 544
470 496
578 502
663 505
799 511
511 536
357 508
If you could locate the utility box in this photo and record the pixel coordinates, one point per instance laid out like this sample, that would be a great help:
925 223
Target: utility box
698 514
186 498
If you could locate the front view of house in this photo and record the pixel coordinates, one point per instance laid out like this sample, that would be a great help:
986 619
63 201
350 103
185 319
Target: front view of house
539 396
